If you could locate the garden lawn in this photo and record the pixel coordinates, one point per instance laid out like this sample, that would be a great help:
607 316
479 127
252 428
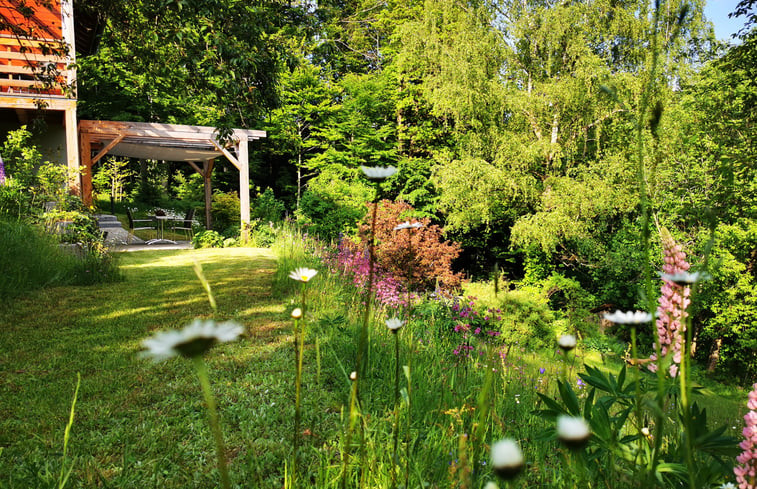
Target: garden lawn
140 424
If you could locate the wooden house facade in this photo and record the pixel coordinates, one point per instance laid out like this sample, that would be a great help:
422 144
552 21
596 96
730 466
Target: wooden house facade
37 56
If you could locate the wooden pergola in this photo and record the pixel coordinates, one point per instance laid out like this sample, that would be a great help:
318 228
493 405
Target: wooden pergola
196 145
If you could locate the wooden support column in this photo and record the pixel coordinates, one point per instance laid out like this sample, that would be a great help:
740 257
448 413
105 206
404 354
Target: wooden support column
207 171
72 150
244 184
85 149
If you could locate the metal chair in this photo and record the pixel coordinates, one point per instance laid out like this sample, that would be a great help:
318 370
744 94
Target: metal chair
185 225
137 224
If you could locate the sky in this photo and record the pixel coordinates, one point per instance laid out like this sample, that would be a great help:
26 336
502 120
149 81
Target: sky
717 12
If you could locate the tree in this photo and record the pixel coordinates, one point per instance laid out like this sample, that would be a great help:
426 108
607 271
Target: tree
307 101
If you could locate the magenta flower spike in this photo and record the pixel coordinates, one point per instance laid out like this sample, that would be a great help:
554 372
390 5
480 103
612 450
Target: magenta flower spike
746 471
673 302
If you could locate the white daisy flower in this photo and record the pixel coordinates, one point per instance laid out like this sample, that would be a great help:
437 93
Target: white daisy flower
567 342
303 274
394 324
378 172
407 225
195 339
297 313
728 485
637 317
507 459
685 278
573 431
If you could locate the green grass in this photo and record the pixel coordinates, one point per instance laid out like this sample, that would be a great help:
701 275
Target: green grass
138 424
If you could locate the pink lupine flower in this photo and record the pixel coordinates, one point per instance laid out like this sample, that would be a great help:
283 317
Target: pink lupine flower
746 471
671 311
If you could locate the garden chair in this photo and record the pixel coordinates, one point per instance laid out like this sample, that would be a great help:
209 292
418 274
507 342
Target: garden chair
138 224
185 225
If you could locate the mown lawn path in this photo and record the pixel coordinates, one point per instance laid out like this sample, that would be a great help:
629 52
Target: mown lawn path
140 424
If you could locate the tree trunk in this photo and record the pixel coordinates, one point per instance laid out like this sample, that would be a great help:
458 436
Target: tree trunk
712 362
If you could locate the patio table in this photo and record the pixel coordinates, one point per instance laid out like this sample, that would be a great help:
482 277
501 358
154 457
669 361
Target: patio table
161 225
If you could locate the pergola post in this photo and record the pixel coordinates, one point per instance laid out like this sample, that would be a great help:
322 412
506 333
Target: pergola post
244 184
207 169
85 150
72 156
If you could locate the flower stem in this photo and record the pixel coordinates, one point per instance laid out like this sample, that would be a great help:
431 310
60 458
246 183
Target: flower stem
299 340
215 426
395 461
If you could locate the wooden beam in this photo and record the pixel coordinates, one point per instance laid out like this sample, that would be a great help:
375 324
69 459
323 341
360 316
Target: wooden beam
107 148
51 102
34 84
244 187
227 154
10 40
197 168
24 70
31 57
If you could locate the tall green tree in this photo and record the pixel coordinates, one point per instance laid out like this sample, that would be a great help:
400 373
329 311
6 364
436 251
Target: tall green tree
307 102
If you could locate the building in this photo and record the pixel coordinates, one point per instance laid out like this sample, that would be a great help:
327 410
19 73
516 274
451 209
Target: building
37 56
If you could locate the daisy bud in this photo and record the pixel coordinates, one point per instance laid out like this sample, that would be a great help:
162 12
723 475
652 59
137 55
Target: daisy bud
566 342
507 459
353 376
297 313
573 431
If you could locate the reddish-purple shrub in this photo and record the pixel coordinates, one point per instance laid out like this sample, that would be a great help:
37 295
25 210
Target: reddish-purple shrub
418 257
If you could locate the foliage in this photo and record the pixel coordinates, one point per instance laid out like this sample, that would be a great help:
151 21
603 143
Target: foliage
728 312
267 207
225 210
111 177
190 188
334 202
31 181
523 315
619 448
208 239
207 63
32 259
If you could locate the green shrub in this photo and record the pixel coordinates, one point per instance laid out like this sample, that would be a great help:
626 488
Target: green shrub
334 202
208 239
726 306
262 235
267 207
225 210
191 188
525 316
31 181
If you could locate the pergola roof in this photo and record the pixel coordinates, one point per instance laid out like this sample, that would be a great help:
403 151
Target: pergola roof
168 142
